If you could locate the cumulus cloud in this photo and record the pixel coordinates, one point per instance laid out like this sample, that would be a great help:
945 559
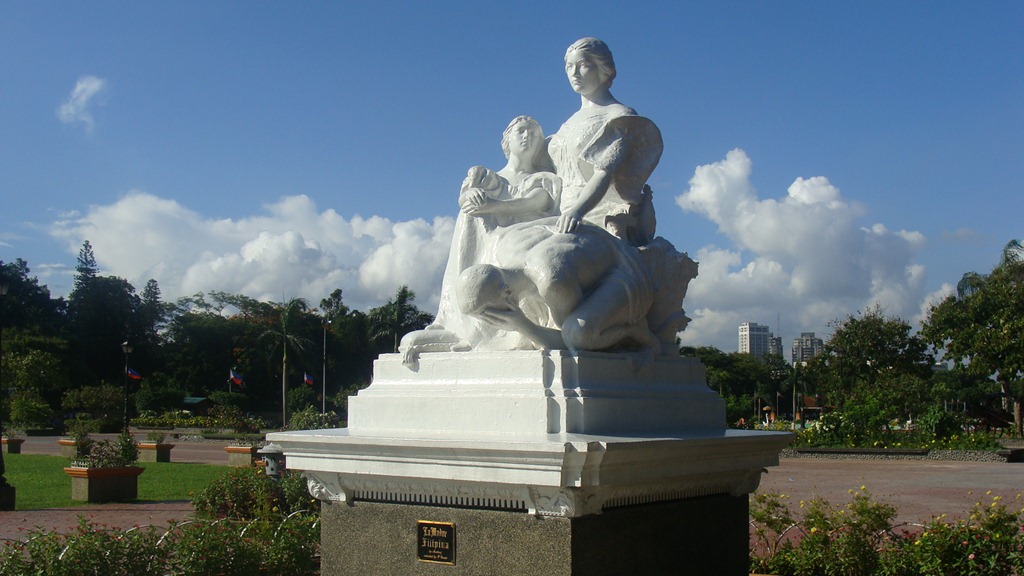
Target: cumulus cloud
802 259
289 249
77 108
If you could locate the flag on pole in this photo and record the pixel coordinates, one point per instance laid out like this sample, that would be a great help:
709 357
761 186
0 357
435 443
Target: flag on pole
307 379
236 378
134 375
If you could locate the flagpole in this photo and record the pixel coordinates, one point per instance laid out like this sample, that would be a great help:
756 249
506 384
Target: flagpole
323 381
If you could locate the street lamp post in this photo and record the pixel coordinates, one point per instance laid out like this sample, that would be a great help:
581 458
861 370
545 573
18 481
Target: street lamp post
127 349
7 492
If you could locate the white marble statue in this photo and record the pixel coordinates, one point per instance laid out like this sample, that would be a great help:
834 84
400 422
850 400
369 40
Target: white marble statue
604 153
557 249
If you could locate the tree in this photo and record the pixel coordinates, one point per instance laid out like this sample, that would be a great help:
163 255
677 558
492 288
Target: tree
86 270
40 372
198 349
746 382
28 310
286 333
350 354
103 313
874 371
981 327
388 323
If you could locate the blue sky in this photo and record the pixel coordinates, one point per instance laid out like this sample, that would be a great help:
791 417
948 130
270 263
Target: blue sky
820 157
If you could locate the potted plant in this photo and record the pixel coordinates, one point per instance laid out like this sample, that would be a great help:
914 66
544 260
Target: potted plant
77 443
10 442
107 473
154 449
242 451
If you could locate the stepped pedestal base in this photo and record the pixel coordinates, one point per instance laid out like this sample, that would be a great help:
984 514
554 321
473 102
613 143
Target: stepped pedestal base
535 463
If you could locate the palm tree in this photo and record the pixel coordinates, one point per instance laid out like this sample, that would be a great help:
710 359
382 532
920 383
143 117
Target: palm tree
1010 260
988 331
397 318
284 332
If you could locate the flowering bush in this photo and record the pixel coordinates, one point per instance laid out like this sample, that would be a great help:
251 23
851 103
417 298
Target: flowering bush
226 418
222 547
859 539
105 454
247 492
310 418
934 431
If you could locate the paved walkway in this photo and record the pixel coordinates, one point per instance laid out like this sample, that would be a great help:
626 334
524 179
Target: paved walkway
919 488
17 524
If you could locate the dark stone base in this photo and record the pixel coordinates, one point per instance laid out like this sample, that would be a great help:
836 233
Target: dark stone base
698 536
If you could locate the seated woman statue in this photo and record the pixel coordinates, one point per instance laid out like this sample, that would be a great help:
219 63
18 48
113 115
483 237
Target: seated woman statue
605 152
524 190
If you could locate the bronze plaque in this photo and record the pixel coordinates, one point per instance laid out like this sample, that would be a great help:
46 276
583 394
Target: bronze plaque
435 542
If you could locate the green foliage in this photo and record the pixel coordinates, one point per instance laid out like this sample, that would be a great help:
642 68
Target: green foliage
981 327
36 371
173 419
388 323
860 539
103 403
311 419
29 410
225 398
158 398
231 417
872 356
218 548
107 454
246 492
301 398
49 485
88 550
936 430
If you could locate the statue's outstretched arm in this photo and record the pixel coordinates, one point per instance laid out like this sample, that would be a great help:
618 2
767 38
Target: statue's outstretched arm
513 320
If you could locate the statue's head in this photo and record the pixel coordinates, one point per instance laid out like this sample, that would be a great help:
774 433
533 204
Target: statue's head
480 287
595 51
518 124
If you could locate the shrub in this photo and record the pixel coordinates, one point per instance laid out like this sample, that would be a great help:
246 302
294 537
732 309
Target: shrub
107 454
246 492
213 548
936 430
88 550
222 547
860 540
29 410
310 418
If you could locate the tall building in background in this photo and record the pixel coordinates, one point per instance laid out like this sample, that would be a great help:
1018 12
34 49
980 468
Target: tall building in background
806 347
775 345
754 339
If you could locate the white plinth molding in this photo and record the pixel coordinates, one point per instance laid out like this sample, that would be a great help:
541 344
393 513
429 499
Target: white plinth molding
549 433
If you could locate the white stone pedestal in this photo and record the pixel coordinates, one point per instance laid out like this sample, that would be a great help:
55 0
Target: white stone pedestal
542 434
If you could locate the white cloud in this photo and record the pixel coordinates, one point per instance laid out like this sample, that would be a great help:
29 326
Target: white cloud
290 249
802 259
84 95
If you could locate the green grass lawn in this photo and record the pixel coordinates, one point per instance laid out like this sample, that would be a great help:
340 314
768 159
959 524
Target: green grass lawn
41 482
